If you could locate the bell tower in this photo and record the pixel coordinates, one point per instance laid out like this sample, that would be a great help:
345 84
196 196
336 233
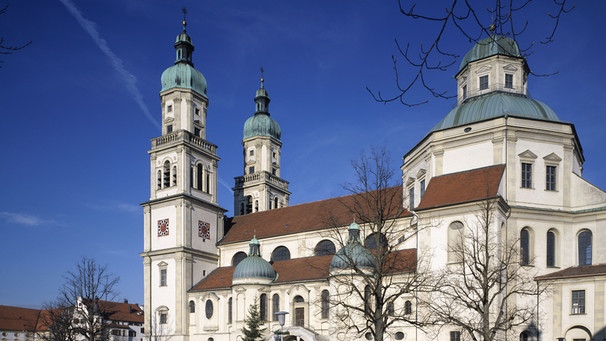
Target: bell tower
261 188
182 219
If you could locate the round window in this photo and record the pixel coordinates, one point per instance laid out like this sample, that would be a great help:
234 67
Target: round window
399 336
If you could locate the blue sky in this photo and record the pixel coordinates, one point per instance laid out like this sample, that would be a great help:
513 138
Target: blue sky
81 103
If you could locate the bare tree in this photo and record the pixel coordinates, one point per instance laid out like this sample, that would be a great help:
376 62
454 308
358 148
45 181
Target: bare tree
158 330
460 20
374 280
84 304
5 48
58 319
483 291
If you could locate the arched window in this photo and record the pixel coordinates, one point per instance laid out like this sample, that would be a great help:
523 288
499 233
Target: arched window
391 309
209 309
524 247
375 239
263 307
159 179
166 174
230 309
192 307
324 247
299 308
325 303
524 336
407 308
455 242
584 240
275 306
280 253
276 202
199 171
551 248
238 257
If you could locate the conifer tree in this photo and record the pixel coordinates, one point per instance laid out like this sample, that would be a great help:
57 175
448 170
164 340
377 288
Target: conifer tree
253 330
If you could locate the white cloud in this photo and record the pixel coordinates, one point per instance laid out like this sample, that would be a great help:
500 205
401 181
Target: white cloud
21 219
129 79
115 206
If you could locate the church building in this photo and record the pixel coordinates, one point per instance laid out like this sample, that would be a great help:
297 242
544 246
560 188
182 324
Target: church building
497 147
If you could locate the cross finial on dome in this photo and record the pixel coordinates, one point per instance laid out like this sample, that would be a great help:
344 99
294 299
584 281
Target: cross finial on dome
184 10
262 79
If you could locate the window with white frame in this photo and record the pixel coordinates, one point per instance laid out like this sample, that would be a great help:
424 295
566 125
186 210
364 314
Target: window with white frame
484 82
508 81
578 302
550 178
526 175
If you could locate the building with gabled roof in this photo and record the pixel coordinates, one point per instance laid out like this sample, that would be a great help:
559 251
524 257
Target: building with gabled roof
498 145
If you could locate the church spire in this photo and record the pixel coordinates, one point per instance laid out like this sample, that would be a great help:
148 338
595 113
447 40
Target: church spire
183 44
262 98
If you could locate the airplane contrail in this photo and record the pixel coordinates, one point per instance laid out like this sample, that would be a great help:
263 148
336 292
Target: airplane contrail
130 80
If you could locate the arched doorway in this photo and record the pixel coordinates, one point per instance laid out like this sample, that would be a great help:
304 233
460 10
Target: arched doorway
299 311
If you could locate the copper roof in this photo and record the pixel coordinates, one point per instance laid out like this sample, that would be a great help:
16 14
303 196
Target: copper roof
462 187
314 268
307 217
575 271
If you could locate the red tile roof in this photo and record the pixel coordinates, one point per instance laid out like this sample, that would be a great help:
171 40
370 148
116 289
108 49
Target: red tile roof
314 268
25 319
575 272
307 217
21 319
462 187
125 312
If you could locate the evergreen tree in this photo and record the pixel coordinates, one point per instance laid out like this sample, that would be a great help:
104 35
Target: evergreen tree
252 330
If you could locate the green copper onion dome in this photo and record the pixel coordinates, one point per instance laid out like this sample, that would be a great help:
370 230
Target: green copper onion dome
261 124
493 105
491 46
353 254
254 266
183 74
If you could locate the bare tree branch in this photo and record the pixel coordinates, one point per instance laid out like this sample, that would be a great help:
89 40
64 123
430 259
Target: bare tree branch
461 18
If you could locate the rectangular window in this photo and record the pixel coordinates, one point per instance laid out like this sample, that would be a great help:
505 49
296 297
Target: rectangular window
464 91
163 318
169 128
455 336
526 175
578 302
197 131
162 277
550 178
169 108
251 152
508 81
483 82
411 197
422 187
251 169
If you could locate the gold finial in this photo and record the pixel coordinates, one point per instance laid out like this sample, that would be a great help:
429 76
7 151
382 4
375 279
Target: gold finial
262 79
184 10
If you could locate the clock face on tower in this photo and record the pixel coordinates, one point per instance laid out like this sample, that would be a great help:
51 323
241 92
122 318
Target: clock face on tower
163 227
203 230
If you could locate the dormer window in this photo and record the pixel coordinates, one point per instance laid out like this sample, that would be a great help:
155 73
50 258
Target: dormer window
484 82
